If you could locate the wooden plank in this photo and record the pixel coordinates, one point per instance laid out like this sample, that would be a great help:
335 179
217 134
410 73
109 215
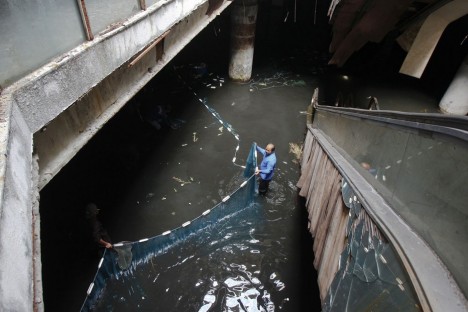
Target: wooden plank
324 226
305 191
316 201
323 192
334 246
305 157
309 142
317 162
147 49
320 184
306 168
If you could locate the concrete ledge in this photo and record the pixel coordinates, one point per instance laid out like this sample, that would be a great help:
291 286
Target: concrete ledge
47 92
16 269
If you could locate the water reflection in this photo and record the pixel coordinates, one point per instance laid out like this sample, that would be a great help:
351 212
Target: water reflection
234 266
180 176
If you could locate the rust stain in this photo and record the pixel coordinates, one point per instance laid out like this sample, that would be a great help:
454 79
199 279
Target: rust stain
243 29
242 43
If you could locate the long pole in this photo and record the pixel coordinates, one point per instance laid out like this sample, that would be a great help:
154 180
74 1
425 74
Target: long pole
85 19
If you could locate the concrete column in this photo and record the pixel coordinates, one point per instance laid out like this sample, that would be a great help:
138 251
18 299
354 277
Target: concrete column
243 21
455 99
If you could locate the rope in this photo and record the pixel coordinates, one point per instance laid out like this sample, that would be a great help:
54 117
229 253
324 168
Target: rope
216 115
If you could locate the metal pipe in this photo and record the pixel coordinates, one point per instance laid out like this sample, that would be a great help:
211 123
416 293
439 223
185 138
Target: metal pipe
151 46
143 5
315 13
295 10
85 19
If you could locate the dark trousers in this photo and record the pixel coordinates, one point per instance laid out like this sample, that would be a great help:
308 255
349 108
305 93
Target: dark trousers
263 186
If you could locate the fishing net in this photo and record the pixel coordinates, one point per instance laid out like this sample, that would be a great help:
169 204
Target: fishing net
127 258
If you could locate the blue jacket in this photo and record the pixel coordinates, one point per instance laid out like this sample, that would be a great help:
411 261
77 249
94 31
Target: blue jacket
267 167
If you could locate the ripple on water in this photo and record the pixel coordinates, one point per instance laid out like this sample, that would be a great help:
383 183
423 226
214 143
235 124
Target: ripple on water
234 267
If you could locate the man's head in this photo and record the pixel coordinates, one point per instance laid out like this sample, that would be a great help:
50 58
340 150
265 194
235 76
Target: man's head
91 210
270 148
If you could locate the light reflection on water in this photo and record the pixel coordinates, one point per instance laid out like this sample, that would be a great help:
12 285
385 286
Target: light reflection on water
236 266
240 264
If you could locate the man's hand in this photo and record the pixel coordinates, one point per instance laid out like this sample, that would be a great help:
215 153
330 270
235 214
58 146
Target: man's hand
105 244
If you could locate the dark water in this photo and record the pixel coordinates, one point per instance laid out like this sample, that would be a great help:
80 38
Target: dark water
235 266
147 181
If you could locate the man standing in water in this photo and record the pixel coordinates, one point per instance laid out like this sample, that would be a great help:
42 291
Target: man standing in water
267 167
100 235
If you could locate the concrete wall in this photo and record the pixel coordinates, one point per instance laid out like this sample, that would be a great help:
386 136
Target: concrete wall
57 110
16 262
63 137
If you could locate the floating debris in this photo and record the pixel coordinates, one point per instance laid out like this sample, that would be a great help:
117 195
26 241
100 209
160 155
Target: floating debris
280 79
212 111
182 182
298 83
295 149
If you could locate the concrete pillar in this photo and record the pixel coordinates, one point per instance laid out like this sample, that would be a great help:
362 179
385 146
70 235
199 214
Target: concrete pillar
455 99
243 21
